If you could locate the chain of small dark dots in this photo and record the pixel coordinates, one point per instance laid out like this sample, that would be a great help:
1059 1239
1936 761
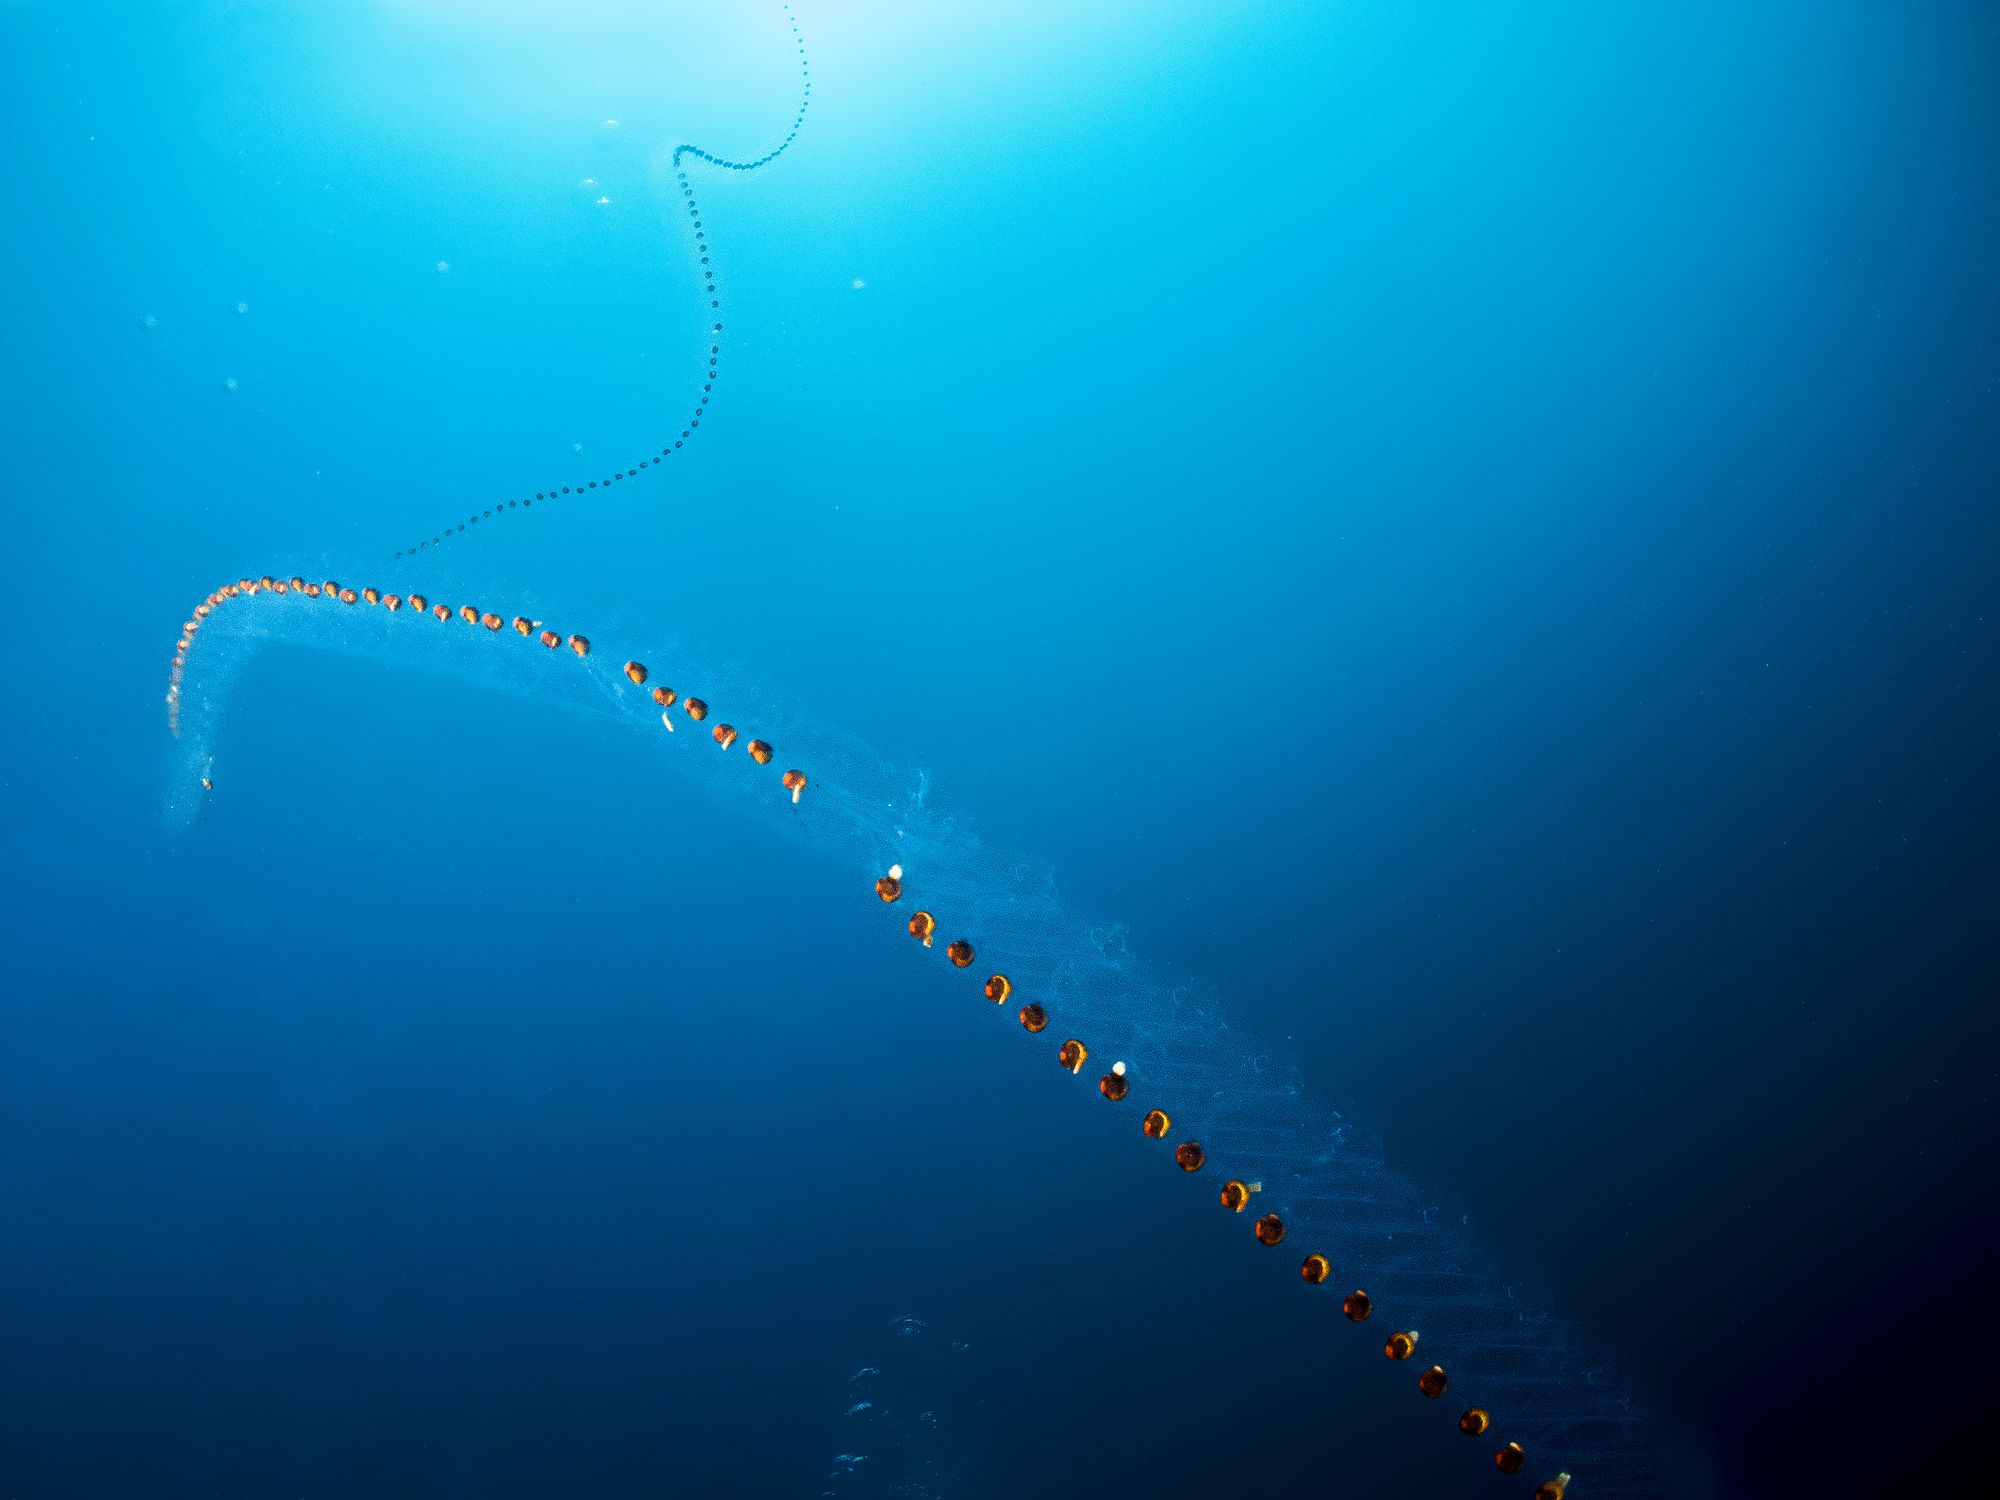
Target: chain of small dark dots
618 476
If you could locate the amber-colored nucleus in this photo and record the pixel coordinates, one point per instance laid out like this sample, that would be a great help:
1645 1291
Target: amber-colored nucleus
636 671
1510 1458
442 611
551 639
391 603
998 987
1357 1305
580 645
760 752
348 596
1156 1124
725 735
664 696
417 602
696 709
468 614
1401 1345
923 927
888 888
1073 1054
1113 1086
960 953
1034 1017
491 621
523 626
1315 1269
1189 1156
1475 1421
1552 1489
1235 1196
369 594
795 782
1433 1381
1270 1229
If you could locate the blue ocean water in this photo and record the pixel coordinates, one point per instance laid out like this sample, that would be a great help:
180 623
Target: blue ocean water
1467 534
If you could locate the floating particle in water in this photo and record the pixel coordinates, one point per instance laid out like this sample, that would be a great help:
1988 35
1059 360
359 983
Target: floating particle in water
242 308
229 384
860 285
576 447
857 1408
906 1325
148 323
444 265
588 185
601 201
863 1373
960 1345
609 127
